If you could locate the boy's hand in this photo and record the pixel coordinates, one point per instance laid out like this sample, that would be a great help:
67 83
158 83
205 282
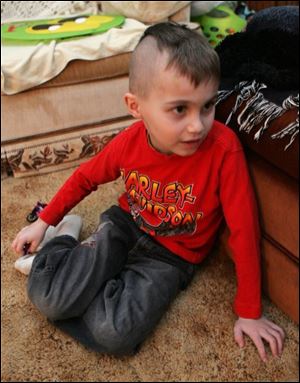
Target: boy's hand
257 330
32 234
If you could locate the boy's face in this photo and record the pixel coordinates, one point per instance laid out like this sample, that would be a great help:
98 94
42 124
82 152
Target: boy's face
177 115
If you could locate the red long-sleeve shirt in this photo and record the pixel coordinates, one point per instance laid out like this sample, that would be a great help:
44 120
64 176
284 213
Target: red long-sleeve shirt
181 201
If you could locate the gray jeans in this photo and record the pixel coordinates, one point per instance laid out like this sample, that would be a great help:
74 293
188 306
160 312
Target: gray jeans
109 291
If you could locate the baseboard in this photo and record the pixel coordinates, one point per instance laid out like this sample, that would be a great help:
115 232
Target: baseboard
58 151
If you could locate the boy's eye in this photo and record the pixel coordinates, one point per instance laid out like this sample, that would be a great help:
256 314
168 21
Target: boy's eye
207 107
180 109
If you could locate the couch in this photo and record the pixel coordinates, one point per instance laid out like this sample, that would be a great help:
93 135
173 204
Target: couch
272 154
259 100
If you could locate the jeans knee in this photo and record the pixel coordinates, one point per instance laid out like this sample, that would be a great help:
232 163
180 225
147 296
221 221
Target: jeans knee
51 308
116 343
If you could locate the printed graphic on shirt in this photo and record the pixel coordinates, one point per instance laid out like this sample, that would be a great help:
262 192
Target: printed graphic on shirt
160 209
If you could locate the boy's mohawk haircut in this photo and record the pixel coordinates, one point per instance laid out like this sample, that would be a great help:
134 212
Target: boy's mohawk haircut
189 52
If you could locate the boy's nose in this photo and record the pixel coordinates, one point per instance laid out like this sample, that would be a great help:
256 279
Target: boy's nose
195 127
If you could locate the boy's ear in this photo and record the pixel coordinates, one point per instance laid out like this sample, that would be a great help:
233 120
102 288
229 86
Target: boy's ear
132 105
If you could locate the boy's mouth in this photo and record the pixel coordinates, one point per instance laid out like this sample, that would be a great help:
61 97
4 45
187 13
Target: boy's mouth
192 142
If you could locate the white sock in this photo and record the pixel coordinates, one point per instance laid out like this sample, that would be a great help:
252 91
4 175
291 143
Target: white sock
70 225
24 263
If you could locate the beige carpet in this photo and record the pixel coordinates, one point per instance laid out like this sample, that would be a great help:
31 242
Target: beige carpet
192 343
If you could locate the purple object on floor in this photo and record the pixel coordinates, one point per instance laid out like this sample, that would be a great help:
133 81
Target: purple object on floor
33 216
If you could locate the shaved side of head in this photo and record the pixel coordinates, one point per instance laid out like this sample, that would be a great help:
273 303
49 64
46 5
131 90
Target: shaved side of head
144 65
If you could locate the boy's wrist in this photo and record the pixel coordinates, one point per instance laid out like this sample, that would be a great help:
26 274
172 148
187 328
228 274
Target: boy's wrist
42 223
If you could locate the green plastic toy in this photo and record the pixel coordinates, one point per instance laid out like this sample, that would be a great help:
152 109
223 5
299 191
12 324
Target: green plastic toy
59 28
219 23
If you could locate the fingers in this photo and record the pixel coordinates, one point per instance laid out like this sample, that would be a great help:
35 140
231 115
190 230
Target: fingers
14 244
20 241
278 334
272 340
260 330
238 336
278 329
32 235
275 340
17 245
33 246
260 348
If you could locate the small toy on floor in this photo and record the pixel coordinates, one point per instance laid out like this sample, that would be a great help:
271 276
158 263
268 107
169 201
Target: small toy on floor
33 216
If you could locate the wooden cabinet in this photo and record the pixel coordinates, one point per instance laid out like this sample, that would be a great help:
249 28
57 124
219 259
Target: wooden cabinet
257 5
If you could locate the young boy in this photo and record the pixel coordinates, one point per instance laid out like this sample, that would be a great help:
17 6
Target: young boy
183 172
